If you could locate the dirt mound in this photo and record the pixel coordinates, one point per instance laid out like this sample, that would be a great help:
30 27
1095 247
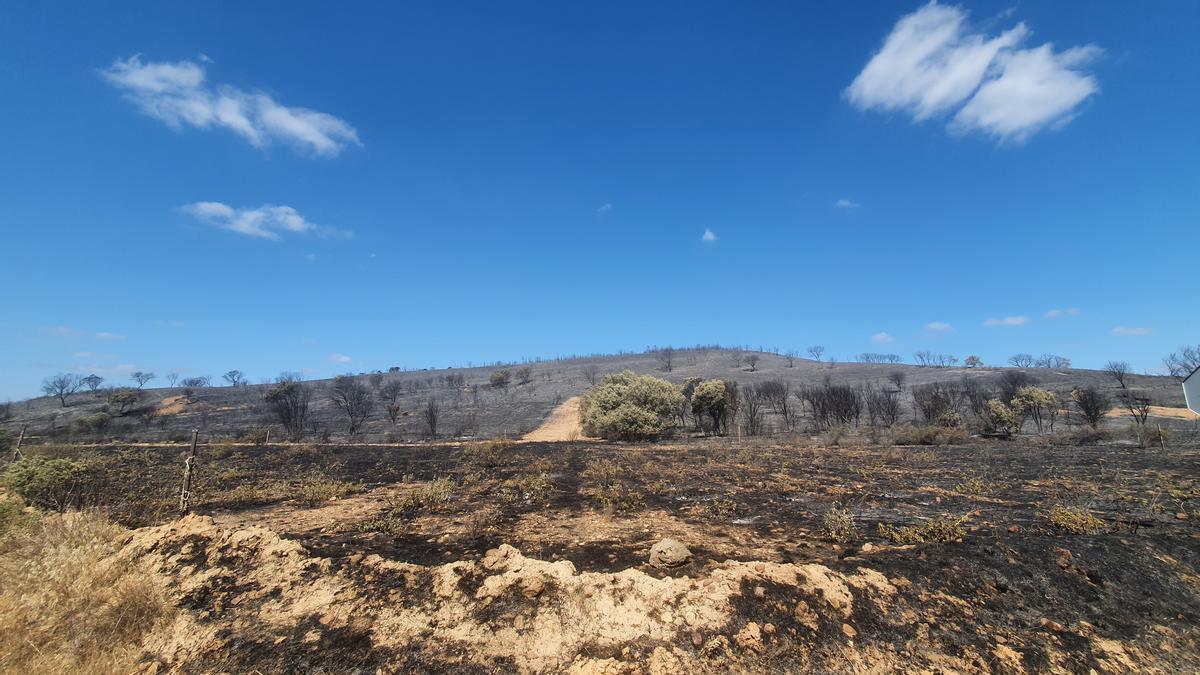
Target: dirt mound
172 405
562 425
256 601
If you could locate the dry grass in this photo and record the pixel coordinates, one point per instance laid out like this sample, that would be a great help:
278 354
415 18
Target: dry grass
941 530
838 525
1074 520
67 604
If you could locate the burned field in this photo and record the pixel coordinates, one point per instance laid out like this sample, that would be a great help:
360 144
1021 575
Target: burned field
1024 554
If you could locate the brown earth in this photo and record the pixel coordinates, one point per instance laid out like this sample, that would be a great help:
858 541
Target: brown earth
393 575
562 425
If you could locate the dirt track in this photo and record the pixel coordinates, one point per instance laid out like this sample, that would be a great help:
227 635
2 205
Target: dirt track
562 425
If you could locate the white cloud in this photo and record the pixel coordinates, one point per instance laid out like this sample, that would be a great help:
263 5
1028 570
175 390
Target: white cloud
177 95
708 237
1008 321
310 257
1132 330
939 326
340 358
267 222
69 332
882 338
1060 313
931 63
105 335
604 208
844 203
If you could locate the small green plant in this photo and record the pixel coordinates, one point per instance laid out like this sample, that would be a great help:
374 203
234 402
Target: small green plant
721 508
47 483
1074 520
838 525
976 486
317 489
12 516
940 530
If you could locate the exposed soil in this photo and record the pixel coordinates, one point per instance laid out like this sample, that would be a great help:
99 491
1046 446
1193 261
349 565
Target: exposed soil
562 425
276 580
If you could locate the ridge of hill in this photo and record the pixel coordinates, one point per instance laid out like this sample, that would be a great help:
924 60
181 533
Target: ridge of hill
469 407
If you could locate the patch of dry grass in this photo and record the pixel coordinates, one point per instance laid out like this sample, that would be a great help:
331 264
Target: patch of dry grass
1074 520
68 604
838 525
941 530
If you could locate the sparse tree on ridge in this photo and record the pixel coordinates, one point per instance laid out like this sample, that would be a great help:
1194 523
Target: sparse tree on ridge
1119 371
666 358
500 379
61 386
973 361
1021 360
141 378
235 378
172 378
92 382
1183 362
815 352
752 361
790 355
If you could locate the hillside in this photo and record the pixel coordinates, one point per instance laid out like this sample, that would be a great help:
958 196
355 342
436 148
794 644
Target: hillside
471 408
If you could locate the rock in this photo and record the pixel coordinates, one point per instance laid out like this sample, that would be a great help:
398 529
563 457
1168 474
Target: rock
1014 528
697 639
749 638
848 630
867 547
1181 516
669 553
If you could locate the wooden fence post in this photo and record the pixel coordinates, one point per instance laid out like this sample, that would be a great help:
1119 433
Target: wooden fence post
17 456
189 464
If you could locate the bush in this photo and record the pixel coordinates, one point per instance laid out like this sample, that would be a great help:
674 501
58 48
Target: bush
941 530
1093 404
91 423
1000 418
500 379
838 525
629 407
909 434
47 483
1074 520
12 516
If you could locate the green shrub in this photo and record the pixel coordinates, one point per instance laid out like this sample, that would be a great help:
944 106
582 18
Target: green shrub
941 530
91 423
838 525
629 407
1074 520
12 516
47 483
1000 418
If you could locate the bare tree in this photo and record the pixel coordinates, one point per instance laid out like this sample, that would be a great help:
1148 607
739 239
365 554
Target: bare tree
883 406
790 355
777 394
1052 361
235 378
897 377
590 372
1138 405
973 361
1183 362
432 412
196 382
815 352
92 382
141 378
752 361
391 390
354 399
751 410
61 386
393 412
172 378
1119 371
665 357
289 399
500 378
376 380
1021 360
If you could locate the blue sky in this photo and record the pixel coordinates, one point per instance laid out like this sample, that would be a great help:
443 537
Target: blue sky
205 186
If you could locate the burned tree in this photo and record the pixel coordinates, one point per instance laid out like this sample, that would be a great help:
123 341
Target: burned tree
235 378
815 352
141 378
432 413
289 399
61 386
1119 371
1093 405
354 399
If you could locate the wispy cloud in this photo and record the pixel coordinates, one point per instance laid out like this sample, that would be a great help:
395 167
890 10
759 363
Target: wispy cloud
1060 313
340 358
882 338
105 335
267 222
708 237
938 326
1132 330
604 208
177 95
70 332
844 203
1008 321
932 63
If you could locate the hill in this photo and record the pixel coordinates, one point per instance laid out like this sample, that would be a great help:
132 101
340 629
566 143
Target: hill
469 406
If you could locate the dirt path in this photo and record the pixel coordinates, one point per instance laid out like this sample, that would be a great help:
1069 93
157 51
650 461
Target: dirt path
296 517
562 425
1158 411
